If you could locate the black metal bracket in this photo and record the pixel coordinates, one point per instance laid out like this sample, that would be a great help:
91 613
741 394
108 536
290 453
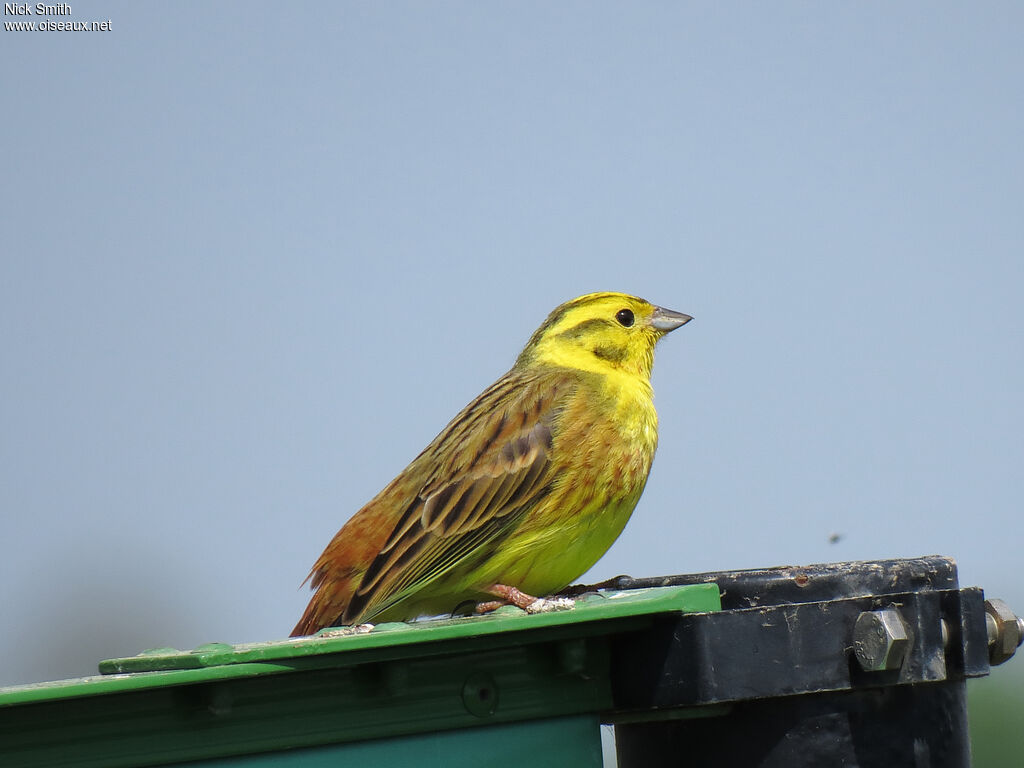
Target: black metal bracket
854 664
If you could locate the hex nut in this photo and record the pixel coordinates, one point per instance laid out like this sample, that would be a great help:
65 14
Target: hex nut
1005 631
881 640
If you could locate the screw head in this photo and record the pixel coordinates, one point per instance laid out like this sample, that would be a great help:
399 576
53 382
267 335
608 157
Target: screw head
480 694
881 640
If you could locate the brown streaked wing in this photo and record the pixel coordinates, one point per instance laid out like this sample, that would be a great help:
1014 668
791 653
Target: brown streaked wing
488 473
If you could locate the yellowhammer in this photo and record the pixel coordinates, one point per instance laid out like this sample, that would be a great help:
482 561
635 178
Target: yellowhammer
523 491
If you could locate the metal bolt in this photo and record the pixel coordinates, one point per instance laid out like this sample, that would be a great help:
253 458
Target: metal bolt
880 640
1005 631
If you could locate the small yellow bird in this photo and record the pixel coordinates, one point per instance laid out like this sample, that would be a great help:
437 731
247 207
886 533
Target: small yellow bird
523 491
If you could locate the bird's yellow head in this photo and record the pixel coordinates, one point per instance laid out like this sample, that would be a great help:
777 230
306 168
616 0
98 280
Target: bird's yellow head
602 332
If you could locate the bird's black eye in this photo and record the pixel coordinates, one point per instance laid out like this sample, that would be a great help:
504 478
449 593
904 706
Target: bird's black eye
625 317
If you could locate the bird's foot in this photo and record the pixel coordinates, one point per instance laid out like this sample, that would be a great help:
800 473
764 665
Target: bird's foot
490 605
511 596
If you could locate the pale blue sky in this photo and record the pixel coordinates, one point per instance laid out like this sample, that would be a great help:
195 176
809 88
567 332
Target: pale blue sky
257 254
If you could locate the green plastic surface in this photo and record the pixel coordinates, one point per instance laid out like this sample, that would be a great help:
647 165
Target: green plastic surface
214 661
219 701
505 621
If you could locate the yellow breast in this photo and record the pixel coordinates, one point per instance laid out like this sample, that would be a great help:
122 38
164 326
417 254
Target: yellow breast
604 443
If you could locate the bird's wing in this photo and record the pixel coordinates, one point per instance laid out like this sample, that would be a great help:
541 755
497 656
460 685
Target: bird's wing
490 465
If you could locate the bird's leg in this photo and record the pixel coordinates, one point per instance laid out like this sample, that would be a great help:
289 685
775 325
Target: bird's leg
510 595
507 596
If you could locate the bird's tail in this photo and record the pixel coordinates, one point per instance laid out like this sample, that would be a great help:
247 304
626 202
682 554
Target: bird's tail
332 592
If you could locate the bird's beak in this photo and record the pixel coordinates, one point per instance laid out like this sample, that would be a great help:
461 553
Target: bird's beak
666 320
